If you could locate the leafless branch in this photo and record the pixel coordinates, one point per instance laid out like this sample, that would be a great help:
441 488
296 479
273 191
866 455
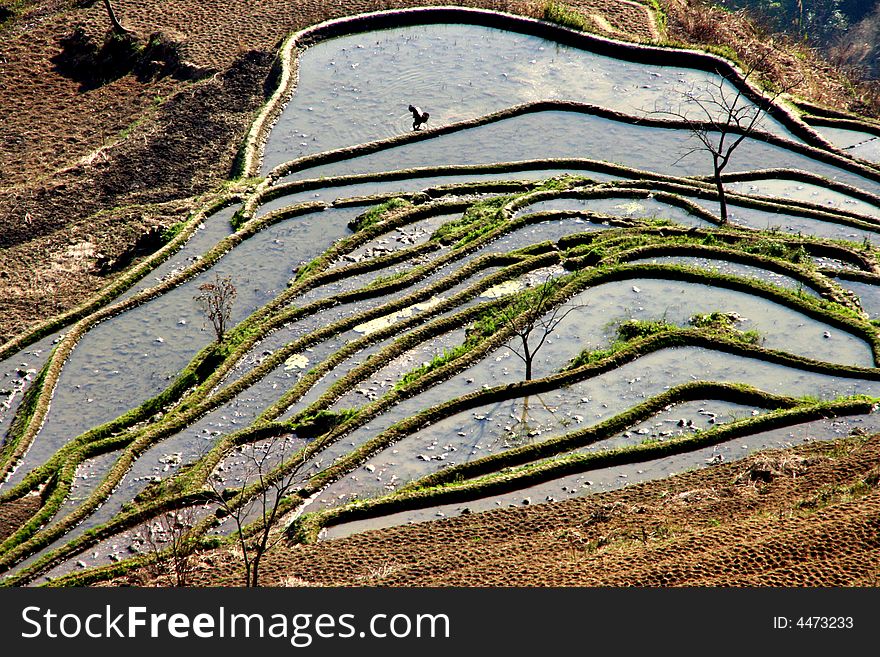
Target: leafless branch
536 316
263 491
169 539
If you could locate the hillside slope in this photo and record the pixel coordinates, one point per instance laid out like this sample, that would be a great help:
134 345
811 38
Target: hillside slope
89 167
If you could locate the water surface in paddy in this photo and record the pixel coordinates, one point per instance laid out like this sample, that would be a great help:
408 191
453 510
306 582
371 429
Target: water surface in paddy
495 427
565 134
402 237
165 458
618 207
729 267
427 452
357 88
594 330
17 374
212 230
677 421
593 326
131 357
596 399
522 236
854 142
868 293
792 224
796 190
616 477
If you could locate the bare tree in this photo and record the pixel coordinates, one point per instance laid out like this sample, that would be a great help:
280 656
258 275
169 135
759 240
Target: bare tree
117 26
727 117
169 539
216 299
256 511
533 317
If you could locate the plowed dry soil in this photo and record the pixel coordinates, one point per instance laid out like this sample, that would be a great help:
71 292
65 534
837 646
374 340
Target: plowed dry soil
808 516
85 169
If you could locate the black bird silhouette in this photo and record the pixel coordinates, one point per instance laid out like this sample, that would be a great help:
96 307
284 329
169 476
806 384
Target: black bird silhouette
419 117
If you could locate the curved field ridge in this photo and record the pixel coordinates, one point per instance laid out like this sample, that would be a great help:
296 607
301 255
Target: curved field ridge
389 367
420 16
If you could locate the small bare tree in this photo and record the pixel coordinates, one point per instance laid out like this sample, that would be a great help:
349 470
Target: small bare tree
256 511
169 539
533 317
216 299
727 117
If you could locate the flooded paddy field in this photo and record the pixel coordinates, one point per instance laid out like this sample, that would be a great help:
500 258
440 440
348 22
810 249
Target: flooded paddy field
480 330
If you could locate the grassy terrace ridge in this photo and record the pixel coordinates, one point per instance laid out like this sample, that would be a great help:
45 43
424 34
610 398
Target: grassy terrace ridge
424 494
307 162
458 255
499 208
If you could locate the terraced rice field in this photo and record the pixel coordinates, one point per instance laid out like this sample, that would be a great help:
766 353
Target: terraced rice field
383 275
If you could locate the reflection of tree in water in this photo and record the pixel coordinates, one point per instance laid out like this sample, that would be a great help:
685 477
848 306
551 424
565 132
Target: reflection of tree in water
526 427
532 317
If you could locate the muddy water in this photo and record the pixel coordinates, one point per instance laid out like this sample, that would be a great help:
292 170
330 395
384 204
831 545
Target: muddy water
496 427
325 382
543 231
733 268
806 192
330 193
397 465
620 207
678 420
357 88
517 239
134 356
560 134
385 378
299 329
606 479
596 399
403 237
212 230
317 353
593 326
547 230
89 474
165 459
835 265
869 295
864 145
17 374
144 538
792 224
